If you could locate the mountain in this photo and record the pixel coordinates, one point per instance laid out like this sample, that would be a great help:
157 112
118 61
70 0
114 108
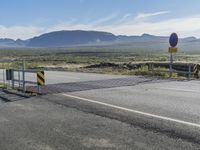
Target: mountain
81 38
7 42
70 38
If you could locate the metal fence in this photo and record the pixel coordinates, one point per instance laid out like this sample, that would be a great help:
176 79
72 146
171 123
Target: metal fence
17 78
21 82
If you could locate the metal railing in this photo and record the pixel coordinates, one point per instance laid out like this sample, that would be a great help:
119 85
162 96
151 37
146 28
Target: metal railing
17 78
189 70
21 79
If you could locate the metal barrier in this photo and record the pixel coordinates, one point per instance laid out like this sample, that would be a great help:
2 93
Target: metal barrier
196 70
22 79
190 70
16 78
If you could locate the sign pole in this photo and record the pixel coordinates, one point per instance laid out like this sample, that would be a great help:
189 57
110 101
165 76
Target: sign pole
173 41
171 64
39 91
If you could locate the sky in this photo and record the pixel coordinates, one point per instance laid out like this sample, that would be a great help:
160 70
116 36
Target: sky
25 19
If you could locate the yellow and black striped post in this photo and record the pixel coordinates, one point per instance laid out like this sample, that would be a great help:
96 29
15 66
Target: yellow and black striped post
196 70
40 78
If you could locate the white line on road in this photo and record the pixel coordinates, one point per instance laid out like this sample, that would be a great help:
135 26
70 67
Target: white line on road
135 111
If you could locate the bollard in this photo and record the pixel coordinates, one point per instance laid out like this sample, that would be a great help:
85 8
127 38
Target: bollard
39 89
40 80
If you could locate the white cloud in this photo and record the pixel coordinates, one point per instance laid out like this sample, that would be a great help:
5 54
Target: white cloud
147 15
126 16
186 26
23 32
183 26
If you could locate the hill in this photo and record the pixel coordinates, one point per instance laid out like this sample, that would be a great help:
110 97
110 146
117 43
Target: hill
79 38
70 38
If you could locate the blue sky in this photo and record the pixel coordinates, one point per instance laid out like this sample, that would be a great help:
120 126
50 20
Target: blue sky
27 18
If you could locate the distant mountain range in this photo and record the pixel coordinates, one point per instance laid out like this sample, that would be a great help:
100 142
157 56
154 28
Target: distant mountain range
79 38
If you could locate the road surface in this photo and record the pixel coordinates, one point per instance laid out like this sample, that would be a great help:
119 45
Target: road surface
53 77
148 113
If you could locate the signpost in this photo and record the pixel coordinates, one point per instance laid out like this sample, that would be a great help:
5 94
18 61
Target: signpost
173 41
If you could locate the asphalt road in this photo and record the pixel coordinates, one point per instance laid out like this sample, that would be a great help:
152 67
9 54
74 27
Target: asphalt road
150 114
53 77
39 124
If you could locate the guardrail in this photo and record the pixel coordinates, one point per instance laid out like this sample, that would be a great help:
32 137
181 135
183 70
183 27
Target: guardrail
191 70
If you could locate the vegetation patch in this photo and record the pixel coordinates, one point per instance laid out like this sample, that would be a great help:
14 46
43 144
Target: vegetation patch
93 59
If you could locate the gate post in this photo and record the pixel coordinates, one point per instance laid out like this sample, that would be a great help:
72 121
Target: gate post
189 72
12 78
23 76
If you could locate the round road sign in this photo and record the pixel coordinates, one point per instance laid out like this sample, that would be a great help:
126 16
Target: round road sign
173 40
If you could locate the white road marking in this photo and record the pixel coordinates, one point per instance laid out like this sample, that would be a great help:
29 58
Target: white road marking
135 111
182 90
